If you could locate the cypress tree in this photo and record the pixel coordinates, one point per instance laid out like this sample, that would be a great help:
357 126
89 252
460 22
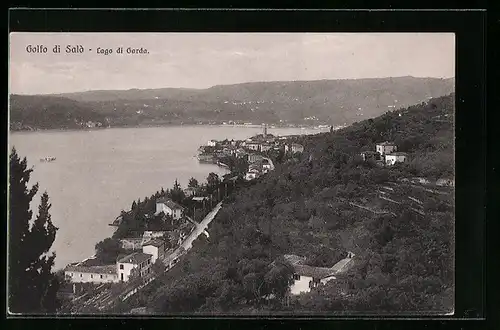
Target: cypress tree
32 286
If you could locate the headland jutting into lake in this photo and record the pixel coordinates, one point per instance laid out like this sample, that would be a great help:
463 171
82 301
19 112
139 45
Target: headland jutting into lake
151 237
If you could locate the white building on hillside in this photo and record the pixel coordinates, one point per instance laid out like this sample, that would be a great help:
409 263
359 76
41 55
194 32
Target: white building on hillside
308 277
156 248
212 143
386 148
91 274
138 260
169 207
294 147
396 157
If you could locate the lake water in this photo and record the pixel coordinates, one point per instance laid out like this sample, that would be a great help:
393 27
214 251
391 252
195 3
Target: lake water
101 172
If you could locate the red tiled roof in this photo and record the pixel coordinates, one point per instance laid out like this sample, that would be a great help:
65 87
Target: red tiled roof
169 203
154 242
135 258
105 269
314 272
386 143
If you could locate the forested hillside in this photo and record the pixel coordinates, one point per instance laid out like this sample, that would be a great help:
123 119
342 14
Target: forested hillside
311 207
330 102
31 112
297 102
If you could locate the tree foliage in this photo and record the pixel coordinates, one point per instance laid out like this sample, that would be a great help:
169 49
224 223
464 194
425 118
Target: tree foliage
193 183
108 250
32 285
309 206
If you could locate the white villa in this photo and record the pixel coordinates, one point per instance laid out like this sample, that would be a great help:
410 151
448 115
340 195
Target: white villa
142 261
169 207
138 260
91 274
386 148
396 157
156 248
294 147
308 277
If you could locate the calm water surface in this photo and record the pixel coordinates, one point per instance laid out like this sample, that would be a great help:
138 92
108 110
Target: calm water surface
99 173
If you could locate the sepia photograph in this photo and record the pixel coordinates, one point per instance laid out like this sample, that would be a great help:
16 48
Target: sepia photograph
212 174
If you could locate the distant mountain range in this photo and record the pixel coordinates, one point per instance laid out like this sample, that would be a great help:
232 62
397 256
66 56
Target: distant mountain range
331 102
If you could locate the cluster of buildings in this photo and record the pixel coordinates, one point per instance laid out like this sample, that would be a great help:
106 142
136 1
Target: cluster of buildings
138 262
265 142
251 149
385 153
148 248
169 207
257 166
92 124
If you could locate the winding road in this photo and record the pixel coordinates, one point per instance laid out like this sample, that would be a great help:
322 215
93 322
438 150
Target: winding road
188 242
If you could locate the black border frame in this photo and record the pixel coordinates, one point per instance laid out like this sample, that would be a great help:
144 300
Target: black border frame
469 27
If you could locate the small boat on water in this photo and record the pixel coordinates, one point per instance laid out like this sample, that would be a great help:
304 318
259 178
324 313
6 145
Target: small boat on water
48 159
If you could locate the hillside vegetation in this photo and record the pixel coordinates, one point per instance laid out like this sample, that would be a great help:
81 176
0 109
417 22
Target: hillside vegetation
311 207
331 102
31 112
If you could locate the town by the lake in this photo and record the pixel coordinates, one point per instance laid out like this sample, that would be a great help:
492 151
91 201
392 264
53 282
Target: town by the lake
244 174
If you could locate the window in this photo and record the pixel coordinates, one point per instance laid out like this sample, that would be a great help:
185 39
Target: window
296 277
91 276
121 266
102 276
81 275
71 274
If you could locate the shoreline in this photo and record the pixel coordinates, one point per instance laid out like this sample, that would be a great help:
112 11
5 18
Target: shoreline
216 163
160 125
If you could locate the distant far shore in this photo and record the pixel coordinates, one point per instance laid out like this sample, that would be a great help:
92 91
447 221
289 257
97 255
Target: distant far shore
38 130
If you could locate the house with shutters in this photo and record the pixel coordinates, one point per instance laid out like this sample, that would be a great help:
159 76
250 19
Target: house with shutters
386 147
156 248
77 273
307 277
169 207
139 261
395 157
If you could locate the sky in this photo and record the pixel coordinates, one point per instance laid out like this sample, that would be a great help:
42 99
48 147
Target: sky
202 60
